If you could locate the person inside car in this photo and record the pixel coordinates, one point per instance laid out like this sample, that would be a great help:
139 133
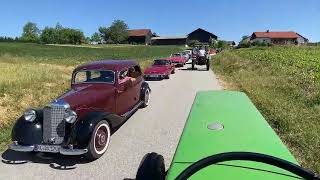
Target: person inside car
132 74
128 76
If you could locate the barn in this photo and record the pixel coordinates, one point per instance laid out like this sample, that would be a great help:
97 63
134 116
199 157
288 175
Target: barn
140 36
202 36
169 40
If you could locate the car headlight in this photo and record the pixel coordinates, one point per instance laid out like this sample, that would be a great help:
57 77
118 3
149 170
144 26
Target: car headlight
70 116
30 115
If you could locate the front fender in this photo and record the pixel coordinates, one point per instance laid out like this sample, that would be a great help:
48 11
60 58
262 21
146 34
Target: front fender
28 133
83 129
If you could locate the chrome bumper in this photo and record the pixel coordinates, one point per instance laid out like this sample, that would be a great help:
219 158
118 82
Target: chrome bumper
65 151
154 76
16 147
72 152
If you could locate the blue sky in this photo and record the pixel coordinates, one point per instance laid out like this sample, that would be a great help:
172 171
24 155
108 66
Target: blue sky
228 19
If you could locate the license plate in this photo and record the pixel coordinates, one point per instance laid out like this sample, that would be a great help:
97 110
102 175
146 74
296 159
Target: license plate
47 148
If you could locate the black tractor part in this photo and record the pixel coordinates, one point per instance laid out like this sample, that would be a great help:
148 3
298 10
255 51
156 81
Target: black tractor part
151 167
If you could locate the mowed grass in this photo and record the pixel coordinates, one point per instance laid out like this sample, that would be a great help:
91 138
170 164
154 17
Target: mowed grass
71 55
284 84
32 75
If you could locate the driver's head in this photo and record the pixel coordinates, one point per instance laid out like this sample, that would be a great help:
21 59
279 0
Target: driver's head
131 71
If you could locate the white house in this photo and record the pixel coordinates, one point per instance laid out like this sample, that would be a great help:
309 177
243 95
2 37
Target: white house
278 38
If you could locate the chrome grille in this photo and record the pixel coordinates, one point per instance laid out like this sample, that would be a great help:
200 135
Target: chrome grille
53 124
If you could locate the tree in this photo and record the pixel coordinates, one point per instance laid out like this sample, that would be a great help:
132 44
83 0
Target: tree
30 32
104 33
70 36
61 35
48 36
117 32
95 37
192 43
244 39
6 39
245 42
219 44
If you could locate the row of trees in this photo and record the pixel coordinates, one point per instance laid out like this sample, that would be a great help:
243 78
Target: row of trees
51 35
117 33
61 35
8 39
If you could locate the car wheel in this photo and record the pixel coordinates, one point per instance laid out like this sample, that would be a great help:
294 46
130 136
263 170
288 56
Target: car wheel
167 76
173 71
192 65
99 141
208 65
146 98
151 167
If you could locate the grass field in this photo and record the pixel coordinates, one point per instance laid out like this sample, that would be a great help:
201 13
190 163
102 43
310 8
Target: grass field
284 83
32 75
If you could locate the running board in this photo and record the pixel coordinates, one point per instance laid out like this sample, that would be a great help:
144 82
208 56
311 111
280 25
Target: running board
132 110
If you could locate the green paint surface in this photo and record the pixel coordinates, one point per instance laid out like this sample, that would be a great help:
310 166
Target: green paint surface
244 130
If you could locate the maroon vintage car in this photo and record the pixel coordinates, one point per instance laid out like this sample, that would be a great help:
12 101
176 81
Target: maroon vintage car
160 69
103 95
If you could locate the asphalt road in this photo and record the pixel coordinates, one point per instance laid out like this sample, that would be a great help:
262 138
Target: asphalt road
156 128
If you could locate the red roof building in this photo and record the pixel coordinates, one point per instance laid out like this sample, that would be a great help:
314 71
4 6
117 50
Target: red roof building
272 37
140 36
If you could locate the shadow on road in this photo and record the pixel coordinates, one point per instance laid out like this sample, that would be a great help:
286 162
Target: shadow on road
55 161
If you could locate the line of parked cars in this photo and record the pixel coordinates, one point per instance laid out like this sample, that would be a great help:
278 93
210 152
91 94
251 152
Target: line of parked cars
103 95
162 68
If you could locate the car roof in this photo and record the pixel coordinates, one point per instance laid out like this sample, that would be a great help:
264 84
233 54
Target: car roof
115 65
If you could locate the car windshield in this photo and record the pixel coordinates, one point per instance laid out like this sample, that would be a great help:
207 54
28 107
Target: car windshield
96 76
161 62
176 55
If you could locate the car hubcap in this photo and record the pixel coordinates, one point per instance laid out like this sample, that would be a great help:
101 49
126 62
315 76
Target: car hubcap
101 138
147 96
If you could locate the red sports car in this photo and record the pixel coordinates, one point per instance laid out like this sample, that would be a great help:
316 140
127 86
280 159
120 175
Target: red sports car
178 59
160 69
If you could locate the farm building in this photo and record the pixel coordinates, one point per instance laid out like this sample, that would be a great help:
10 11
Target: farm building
278 38
199 35
173 40
140 36
202 36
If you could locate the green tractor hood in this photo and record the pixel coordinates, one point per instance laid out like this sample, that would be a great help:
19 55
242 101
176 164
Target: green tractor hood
244 129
